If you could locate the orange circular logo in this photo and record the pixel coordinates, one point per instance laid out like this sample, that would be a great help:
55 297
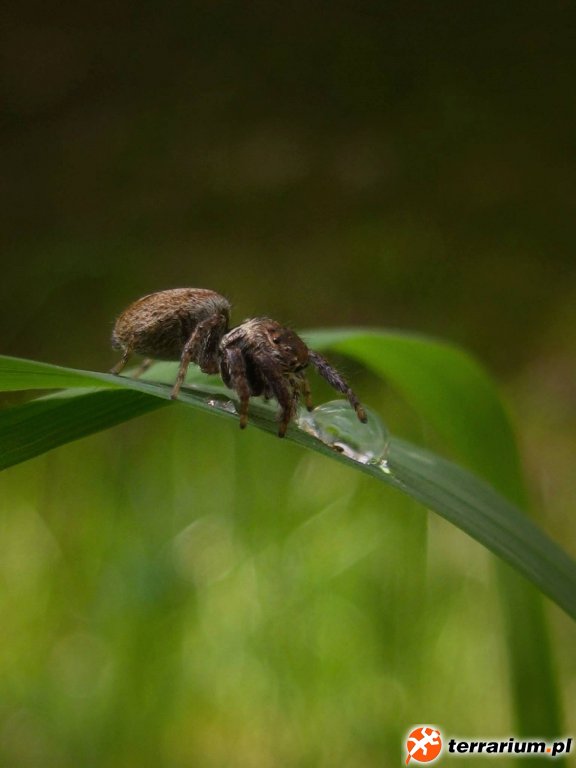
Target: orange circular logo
423 744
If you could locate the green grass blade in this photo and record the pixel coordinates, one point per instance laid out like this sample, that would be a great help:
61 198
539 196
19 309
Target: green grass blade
453 492
454 394
17 374
29 430
478 509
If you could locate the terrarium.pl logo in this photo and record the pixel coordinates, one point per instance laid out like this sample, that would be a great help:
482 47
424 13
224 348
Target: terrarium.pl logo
424 745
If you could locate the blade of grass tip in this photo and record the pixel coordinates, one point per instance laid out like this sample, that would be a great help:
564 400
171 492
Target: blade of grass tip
467 501
475 507
456 396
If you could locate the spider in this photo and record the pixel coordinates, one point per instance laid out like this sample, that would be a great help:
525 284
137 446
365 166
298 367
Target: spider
258 357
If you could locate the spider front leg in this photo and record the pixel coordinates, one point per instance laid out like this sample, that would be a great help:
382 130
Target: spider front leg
284 388
306 393
236 369
287 400
338 382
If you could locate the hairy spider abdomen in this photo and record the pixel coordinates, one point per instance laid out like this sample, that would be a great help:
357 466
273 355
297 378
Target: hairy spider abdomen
159 325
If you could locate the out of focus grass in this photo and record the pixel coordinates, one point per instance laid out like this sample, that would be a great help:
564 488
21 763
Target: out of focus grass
178 593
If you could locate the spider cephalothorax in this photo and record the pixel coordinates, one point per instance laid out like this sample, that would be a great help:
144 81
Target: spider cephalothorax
259 357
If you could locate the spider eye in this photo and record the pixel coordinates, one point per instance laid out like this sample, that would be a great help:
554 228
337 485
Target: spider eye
276 339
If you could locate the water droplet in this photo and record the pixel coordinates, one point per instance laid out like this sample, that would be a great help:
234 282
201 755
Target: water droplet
336 425
222 405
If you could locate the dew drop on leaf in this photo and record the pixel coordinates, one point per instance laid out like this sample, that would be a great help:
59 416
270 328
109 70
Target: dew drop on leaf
335 424
222 405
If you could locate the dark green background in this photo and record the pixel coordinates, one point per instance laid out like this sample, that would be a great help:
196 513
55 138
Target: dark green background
405 164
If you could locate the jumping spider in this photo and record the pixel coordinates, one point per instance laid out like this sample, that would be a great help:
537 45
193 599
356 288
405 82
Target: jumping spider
259 357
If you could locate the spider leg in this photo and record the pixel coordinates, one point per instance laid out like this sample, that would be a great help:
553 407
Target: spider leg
283 389
186 358
193 351
239 381
306 393
337 381
143 367
121 364
287 400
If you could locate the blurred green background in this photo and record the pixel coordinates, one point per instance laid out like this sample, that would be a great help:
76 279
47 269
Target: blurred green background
175 593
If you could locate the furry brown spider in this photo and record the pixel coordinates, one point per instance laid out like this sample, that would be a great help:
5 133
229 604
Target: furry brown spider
259 357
